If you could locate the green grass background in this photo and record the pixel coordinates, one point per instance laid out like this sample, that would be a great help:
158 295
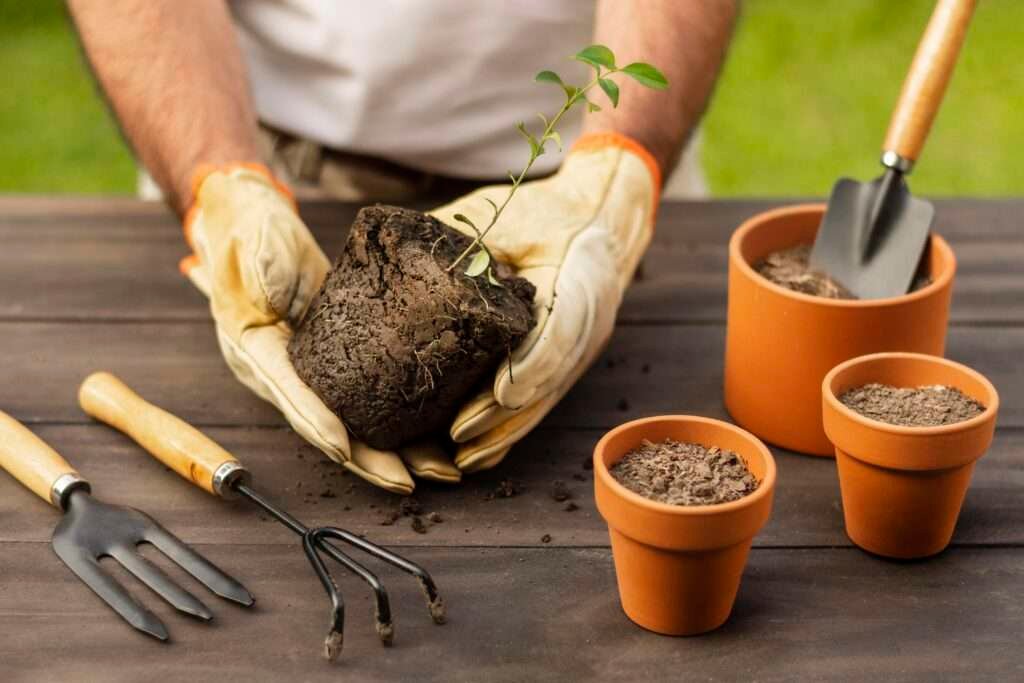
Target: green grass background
804 98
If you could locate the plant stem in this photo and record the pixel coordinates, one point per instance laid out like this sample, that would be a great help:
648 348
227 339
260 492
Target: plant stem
517 181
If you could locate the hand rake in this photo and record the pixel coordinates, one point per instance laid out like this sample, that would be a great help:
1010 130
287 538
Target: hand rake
200 460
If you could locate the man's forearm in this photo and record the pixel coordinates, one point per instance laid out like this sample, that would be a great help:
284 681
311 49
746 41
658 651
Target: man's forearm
687 40
174 75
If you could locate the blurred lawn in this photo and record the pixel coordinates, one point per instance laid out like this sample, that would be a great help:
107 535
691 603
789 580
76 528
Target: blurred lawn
805 97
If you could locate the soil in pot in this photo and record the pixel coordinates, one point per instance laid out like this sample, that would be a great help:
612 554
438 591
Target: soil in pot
791 269
394 342
681 473
928 406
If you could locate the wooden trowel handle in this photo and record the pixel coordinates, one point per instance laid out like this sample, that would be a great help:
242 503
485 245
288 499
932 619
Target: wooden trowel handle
929 74
32 462
168 438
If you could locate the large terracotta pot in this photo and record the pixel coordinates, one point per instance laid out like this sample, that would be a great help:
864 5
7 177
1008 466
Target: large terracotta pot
679 567
781 343
902 487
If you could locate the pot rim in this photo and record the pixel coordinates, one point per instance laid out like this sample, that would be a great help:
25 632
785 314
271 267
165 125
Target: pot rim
759 219
991 405
764 487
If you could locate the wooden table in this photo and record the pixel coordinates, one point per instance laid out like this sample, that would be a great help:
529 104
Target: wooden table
93 284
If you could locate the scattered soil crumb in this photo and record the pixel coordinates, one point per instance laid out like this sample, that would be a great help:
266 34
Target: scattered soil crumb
623 405
410 506
571 507
927 406
435 518
327 493
588 463
791 268
559 491
680 473
417 525
546 538
578 477
645 368
506 488
390 518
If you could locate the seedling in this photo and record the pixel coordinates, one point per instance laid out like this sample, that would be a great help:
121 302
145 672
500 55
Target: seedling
603 61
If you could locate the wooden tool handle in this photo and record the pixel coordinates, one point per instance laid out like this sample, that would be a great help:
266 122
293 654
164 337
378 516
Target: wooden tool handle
929 74
30 460
168 438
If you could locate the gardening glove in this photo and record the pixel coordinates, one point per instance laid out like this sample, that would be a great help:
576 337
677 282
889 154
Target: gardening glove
578 236
260 266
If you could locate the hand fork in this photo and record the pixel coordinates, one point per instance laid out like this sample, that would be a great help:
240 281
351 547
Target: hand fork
91 530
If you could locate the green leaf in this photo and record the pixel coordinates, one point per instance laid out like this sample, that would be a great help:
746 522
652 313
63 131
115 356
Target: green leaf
610 89
543 119
463 219
536 148
596 56
493 205
479 263
645 74
553 135
592 107
493 280
552 77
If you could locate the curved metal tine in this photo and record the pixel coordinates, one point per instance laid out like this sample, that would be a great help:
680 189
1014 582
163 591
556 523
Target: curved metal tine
434 601
198 566
88 569
336 634
154 577
385 628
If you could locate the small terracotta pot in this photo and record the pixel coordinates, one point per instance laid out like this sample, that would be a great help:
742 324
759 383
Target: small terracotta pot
781 343
902 487
679 567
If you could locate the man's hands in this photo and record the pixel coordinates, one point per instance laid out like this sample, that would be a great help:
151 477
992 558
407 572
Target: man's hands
578 237
260 267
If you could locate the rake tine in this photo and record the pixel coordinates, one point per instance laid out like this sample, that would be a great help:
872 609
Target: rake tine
336 634
434 601
198 566
154 577
382 613
111 592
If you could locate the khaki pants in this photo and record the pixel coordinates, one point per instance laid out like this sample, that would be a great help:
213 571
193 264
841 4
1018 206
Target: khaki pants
315 172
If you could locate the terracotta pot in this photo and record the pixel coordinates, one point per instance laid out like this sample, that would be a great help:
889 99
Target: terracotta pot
902 487
781 343
679 567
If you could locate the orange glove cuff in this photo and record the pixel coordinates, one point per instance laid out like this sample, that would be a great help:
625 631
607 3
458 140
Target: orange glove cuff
613 139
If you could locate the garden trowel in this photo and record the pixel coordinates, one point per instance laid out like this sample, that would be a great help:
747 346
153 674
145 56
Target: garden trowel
873 234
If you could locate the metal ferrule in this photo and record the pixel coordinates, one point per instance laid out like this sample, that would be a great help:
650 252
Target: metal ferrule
891 159
225 477
62 488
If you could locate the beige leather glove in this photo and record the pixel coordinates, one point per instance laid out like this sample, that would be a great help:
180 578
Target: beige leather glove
259 266
578 236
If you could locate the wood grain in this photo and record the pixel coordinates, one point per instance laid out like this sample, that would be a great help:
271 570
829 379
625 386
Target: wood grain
519 614
807 511
122 265
29 459
645 370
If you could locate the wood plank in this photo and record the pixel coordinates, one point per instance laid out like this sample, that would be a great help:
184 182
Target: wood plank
180 367
801 615
122 265
807 504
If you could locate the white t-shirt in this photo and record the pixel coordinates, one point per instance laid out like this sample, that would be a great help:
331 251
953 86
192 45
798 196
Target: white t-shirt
436 85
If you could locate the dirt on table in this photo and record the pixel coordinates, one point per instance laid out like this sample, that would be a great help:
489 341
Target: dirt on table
927 406
680 473
791 268
394 342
